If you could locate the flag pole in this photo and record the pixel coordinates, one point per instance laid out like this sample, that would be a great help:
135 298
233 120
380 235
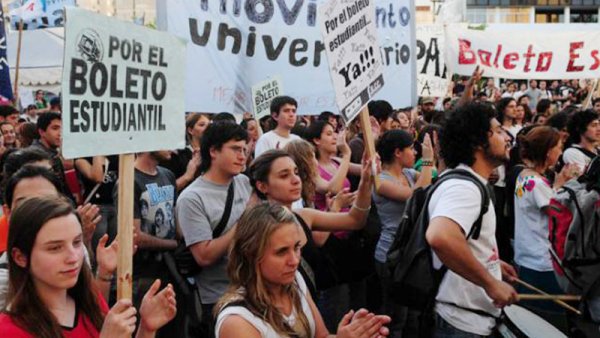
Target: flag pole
16 93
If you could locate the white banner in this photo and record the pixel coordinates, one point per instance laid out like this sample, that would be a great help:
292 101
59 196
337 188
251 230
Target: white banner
122 89
263 93
350 39
38 13
234 44
431 66
527 53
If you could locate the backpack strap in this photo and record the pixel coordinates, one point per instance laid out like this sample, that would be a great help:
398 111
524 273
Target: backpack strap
485 197
226 212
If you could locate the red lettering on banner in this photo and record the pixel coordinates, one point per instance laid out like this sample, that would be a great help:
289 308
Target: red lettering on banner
574 56
485 57
528 57
498 52
596 60
465 54
544 57
509 59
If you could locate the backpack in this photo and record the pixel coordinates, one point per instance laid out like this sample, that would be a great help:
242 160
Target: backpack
561 163
574 231
413 281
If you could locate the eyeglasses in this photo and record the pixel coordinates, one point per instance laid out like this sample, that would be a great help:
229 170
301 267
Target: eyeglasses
238 150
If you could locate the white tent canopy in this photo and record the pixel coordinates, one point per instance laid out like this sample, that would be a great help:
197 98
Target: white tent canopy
41 58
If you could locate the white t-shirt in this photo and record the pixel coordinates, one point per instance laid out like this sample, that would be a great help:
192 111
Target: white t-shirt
266 330
271 140
460 201
575 156
532 193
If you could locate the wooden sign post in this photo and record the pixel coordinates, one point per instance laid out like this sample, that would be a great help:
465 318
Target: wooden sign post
125 228
100 70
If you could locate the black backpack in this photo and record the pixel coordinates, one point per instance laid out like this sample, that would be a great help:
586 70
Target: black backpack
413 281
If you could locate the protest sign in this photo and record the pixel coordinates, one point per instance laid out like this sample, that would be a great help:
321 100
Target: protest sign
38 13
350 39
234 44
431 67
526 53
121 87
263 93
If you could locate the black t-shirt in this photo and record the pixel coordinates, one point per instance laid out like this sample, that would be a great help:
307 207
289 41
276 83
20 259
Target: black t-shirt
103 195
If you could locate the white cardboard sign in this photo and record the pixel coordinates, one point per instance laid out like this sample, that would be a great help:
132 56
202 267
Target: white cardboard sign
350 39
263 93
122 87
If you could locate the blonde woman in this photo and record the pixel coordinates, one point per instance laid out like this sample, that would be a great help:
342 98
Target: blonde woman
267 297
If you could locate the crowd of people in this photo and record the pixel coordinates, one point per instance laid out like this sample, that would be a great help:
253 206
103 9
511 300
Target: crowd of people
287 234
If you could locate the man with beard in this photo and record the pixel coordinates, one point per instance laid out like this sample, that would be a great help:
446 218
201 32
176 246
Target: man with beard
472 290
283 112
154 191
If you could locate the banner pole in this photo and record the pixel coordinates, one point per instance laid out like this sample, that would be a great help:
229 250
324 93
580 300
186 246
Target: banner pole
125 226
16 93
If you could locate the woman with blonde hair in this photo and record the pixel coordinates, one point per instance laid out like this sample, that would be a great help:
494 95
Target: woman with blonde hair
303 154
267 296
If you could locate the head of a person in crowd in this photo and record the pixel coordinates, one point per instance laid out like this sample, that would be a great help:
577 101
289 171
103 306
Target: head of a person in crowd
490 83
584 127
427 105
18 158
251 127
559 121
224 116
544 107
195 125
395 124
555 84
447 103
322 135
383 112
274 176
30 110
330 117
541 147
539 119
55 104
533 84
9 133
404 120
396 147
523 86
543 85
521 115
303 154
511 87
26 133
223 148
39 96
515 151
506 108
9 114
46 259
49 126
32 180
264 256
283 112
267 123
596 105
523 99
481 97
471 134
574 83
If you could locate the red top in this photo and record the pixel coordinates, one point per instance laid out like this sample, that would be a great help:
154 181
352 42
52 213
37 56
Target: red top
82 328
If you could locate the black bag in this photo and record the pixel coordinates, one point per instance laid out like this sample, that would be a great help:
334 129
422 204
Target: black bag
184 260
413 280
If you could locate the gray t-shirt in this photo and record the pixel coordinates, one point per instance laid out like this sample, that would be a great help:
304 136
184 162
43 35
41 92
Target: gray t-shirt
390 212
199 210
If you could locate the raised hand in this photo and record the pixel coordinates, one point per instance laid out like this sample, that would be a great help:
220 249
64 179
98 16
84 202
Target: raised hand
158 308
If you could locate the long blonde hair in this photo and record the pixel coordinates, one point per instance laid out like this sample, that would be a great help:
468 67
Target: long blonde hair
247 286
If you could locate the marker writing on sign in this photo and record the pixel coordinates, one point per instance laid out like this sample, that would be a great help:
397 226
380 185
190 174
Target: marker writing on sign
353 71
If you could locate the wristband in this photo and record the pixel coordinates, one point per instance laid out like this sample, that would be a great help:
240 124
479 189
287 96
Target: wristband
425 163
354 206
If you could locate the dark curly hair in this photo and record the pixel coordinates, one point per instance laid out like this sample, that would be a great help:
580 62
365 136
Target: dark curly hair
578 124
465 130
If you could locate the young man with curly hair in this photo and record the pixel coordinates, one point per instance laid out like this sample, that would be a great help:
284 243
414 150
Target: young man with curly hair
472 290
